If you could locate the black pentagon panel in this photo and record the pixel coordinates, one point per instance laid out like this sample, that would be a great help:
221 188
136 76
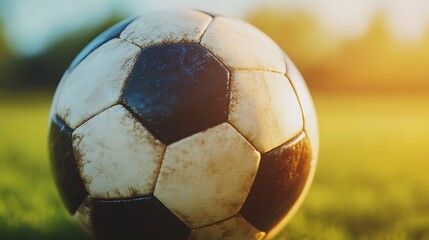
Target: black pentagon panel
109 34
65 170
177 90
279 182
141 218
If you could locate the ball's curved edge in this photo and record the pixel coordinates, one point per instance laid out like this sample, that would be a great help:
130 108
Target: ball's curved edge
109 34
291 72
311 129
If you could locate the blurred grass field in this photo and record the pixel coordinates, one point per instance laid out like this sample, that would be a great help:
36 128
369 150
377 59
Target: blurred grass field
372 180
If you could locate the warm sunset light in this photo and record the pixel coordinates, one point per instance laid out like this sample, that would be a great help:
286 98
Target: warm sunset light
366 64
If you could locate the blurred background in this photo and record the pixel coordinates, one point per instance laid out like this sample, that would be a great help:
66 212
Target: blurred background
366 63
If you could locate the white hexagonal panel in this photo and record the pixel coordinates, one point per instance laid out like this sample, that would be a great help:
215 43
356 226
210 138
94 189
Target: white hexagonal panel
231 229
310 118
240 46
206 177
166 27
264 108
117 157
96 83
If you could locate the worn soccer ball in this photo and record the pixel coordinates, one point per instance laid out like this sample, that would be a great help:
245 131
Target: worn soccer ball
182 125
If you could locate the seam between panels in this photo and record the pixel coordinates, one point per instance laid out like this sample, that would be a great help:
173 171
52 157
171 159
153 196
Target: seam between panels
289 142
79 168
237 215
228 110
159 173
56 115
230 77
122 200
130 42
166 42
304 129
137 118
292 141
217 222
262 231
134 19
127 80
121 92
95 114
241 134
88 196
299 101
258 70
134 65
200 38
74 214
88 199
285 57
295 139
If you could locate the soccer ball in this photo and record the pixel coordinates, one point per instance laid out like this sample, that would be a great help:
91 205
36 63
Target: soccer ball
182 125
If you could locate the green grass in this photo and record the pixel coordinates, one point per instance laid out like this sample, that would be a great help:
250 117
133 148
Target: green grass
29 204
372 180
